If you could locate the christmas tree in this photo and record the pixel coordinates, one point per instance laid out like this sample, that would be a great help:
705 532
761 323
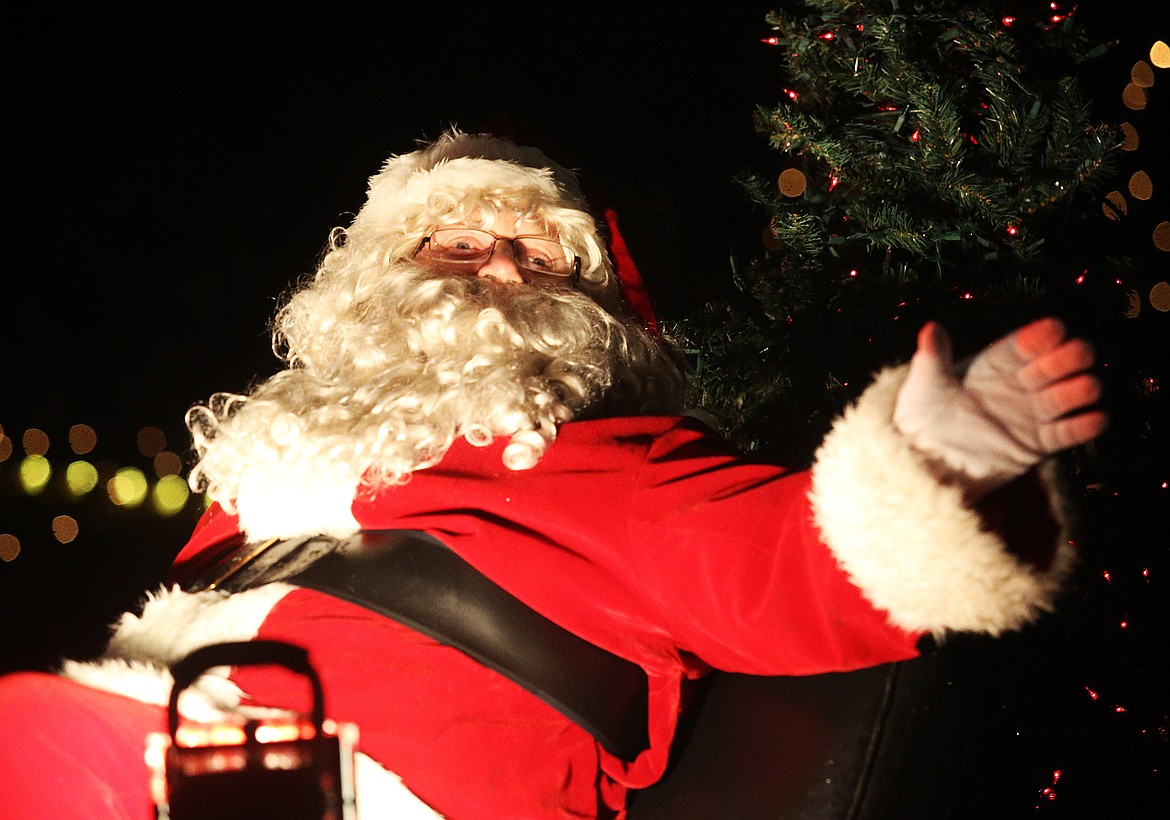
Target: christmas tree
925 157
942 161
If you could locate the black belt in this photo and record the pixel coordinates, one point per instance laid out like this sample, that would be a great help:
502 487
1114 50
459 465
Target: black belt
414 579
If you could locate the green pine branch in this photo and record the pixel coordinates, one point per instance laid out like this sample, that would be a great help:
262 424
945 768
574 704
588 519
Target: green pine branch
941 151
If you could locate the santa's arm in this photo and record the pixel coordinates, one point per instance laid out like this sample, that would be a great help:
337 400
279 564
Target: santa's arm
909 485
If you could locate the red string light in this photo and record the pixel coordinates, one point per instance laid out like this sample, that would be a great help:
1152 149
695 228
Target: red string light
828 35
1007 21
770 41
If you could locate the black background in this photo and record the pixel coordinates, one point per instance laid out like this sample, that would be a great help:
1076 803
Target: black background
169 173
170 177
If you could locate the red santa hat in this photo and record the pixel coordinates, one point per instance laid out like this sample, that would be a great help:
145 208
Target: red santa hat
460 165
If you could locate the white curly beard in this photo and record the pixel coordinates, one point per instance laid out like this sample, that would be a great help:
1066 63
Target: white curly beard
382 387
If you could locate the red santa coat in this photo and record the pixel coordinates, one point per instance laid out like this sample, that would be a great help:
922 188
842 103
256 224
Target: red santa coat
645 536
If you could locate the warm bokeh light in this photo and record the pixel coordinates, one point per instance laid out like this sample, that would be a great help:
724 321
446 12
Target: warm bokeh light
1161 238
170 495
1134 97
167 463
283 732
1160 54
35 472
128 487
1129 137
1133 311
1115 205
1160 297
1141 74
35 442
65 528
151 441
191 736
1141 186
80 477
792 182
9 547
82 439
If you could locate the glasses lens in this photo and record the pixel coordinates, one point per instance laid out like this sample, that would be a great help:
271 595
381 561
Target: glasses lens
535 254
462 244
541 255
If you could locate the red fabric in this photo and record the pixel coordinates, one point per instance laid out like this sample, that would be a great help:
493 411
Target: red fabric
633 288
645 536
72 751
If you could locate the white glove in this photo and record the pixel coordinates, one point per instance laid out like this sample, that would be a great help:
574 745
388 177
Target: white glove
1021 399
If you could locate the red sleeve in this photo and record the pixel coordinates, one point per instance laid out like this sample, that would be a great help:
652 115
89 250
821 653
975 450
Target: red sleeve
729 552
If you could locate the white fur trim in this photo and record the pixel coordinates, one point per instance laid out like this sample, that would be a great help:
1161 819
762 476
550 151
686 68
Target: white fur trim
296 496
910 543
173 624
381 793
464 161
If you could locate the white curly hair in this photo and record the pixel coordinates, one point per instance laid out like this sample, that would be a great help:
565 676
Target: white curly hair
388 364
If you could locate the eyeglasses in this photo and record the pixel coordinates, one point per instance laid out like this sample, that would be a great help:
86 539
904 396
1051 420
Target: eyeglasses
465 249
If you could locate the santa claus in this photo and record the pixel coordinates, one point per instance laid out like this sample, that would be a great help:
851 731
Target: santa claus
463 365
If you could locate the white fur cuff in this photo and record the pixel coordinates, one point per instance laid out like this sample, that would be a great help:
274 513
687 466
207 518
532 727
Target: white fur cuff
174 623
912 545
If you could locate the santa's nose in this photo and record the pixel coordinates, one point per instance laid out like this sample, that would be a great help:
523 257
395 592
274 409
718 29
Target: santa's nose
501 265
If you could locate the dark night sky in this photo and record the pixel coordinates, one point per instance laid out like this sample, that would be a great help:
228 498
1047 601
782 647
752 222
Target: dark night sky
169 176
169 179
